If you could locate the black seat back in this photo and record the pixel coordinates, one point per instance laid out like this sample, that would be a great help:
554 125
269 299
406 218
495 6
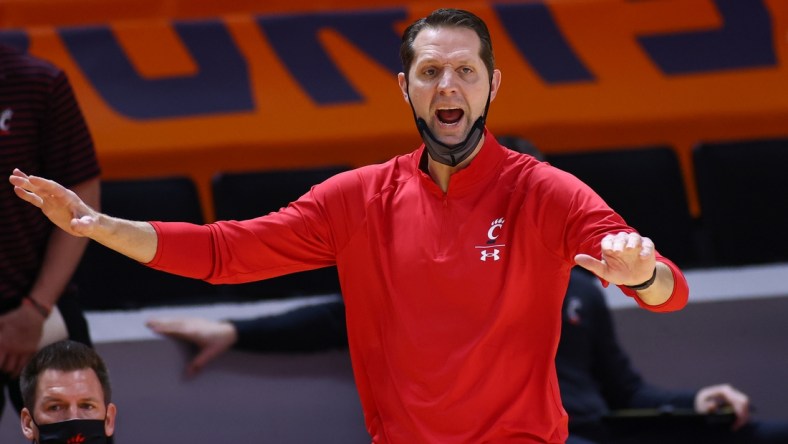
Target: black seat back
646 187
108 280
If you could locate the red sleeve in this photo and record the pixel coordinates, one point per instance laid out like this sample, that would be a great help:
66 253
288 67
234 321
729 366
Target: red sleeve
183 249
588 219
300 237
678 298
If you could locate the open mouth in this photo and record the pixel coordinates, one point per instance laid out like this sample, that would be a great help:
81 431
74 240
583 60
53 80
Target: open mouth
449 116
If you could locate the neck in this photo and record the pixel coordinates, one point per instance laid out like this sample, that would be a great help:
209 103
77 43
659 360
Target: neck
441 173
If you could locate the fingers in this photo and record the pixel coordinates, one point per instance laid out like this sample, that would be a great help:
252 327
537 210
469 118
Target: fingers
17 176
627 242
713 398
211 337
28 196
35 190
739 402
195 330
205 356
36 185
22 180
626 258
590 263
168 327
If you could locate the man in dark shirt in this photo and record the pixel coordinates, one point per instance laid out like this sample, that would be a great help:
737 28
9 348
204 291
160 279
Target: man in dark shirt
597 380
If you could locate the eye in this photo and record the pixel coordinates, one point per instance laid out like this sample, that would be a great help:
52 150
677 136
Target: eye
429 72
466 70
87 406
53 408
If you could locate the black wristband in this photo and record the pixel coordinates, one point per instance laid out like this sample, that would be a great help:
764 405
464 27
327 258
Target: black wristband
646 284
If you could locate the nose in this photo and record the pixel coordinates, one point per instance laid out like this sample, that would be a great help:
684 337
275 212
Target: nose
77 412
73 412
447 82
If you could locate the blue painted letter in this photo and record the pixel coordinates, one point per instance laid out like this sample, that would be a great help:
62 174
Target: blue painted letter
221 85
294 38
533 30
744 41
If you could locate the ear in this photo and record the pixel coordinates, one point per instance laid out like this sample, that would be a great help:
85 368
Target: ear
28 428
495 84
403 86
109 422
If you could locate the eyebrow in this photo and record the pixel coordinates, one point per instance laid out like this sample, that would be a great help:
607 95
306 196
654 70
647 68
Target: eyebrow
439 61
47 398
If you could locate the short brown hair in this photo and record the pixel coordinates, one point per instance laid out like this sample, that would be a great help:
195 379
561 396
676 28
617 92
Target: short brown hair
66 356
448 17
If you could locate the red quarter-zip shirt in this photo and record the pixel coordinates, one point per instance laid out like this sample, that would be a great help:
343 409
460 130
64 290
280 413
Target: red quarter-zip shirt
453 299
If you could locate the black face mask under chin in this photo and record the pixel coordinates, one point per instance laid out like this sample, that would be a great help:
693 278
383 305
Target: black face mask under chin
452 155
82 431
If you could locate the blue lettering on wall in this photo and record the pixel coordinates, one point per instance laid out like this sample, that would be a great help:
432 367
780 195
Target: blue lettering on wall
221 84
294 38
744 41
533 30
15 39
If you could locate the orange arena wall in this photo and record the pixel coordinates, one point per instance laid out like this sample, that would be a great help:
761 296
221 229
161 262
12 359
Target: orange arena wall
196 87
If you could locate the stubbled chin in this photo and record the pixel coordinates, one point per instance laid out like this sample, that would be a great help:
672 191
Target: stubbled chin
451 136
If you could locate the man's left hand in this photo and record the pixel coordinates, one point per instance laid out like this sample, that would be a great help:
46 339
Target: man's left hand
627 259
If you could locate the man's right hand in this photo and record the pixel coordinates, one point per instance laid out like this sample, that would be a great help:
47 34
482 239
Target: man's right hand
61 205
137 240
212 337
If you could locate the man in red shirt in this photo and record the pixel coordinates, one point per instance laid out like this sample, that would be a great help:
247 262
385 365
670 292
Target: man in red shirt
453 259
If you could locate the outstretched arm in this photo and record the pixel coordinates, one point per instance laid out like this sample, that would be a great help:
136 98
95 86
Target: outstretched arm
313 327
630 259
65 209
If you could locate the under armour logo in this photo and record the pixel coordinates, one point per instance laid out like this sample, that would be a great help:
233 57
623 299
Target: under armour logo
495 255
494 231
5 120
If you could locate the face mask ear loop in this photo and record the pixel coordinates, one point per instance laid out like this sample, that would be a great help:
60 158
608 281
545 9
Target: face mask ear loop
33 419
412 108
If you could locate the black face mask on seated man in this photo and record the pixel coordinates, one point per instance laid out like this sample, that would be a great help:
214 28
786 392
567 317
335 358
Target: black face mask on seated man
73 431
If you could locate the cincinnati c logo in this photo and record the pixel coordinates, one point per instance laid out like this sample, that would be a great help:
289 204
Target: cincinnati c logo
494 231
5 121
